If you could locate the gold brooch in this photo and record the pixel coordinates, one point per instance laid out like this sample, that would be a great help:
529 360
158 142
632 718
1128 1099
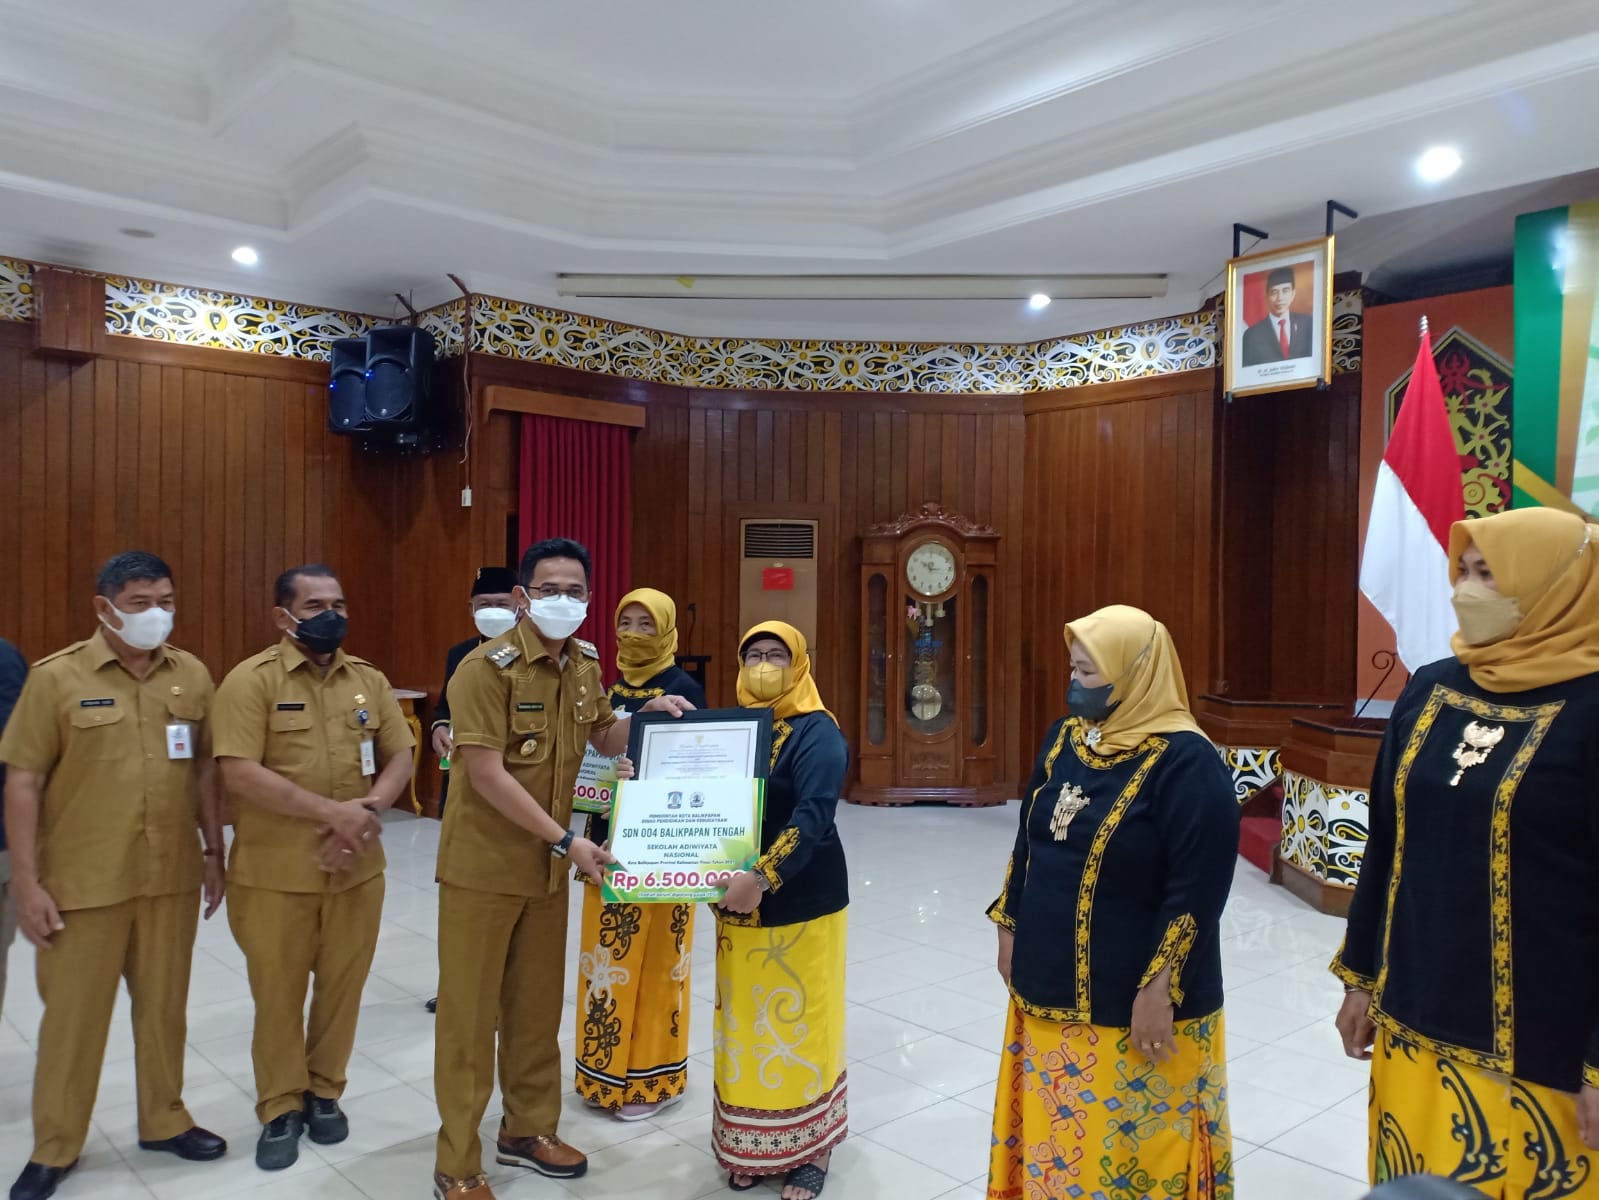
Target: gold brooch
528 747
359 698
1071 802
1476 744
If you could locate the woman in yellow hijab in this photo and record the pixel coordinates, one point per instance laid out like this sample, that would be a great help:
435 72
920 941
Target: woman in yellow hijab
1109 938
1471 957
633 989
781 1105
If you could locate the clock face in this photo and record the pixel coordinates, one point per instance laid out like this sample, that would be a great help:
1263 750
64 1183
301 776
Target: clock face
930 569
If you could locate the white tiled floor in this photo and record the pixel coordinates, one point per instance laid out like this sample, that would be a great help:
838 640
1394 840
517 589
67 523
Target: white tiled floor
926 1010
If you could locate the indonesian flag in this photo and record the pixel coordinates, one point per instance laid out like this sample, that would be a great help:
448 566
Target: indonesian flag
1405 568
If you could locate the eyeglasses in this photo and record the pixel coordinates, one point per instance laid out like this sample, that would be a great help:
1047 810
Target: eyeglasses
778 658
549 592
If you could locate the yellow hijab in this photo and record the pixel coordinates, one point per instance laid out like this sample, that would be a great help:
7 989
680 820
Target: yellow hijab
802 696
1134 652
641 658
1549 561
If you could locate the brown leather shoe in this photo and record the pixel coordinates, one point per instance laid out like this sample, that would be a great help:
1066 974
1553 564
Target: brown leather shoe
547 1155
474 1188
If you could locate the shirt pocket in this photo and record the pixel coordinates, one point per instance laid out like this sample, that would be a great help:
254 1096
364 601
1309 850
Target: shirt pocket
530 742
98 733
291 739
186 711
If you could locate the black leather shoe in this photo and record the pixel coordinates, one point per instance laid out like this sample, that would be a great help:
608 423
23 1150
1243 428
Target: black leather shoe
196 1145
325 1122
432 1005
39 1182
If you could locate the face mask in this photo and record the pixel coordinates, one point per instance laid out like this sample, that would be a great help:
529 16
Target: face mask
491 622
1091 704
557 617
767 681
1485 616
323 633
142 630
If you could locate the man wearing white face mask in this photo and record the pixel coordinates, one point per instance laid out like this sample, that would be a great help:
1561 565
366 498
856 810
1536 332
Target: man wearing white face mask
110 792
523 706
493 612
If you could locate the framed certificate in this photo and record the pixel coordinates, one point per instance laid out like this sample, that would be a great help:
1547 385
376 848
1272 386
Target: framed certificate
679 841
709 743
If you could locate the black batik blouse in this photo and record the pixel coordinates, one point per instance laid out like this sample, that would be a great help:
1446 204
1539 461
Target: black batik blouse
1133 883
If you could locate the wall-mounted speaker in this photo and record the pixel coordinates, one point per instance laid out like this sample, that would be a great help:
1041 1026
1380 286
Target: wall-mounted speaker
347 387
399 374
381 387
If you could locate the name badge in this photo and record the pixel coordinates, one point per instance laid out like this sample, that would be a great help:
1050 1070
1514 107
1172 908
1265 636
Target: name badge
180 740
369 757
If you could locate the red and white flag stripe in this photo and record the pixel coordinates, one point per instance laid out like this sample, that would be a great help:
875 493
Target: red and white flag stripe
1405 569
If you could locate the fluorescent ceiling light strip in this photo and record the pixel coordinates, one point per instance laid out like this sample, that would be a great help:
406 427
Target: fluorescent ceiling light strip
863 287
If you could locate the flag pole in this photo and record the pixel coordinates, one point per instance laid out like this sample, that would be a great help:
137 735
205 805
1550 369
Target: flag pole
1424 325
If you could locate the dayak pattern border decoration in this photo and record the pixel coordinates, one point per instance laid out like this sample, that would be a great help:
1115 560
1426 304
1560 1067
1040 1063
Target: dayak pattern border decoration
1324 828
1252 768
16 290
529 332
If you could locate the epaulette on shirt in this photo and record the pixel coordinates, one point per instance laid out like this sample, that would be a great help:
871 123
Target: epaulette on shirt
590 650
62 653
504 656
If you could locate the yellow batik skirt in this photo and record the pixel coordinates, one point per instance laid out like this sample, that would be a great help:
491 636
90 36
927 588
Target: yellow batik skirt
780 1085
1504 1137
1081 1114
633 999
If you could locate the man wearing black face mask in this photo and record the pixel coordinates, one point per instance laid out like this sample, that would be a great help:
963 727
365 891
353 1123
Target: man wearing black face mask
312 746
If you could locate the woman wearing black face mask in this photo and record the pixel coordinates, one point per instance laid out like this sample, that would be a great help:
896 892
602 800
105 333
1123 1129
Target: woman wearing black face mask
1109 937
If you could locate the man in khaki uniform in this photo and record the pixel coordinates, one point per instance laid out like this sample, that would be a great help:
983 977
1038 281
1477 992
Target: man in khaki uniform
313 746
522 706
110 790
13 670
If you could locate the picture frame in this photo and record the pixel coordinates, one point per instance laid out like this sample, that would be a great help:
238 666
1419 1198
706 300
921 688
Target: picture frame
703 743
1277 319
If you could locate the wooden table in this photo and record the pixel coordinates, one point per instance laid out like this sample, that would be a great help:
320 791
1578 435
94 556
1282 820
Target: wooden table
411 702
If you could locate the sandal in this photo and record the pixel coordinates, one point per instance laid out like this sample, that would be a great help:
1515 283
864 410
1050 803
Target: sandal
810 1177
742 1187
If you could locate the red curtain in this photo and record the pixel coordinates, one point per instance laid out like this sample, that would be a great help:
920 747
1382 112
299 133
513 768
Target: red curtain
575 484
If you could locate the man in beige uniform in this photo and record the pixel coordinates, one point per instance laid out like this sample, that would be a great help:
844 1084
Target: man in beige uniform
313 746
110 788
522 707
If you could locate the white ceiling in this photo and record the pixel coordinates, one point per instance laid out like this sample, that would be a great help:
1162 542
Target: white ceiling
370 146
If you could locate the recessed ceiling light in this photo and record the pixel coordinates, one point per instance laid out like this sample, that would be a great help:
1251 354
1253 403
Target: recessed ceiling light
1037 301
246 256
131 232
1438 164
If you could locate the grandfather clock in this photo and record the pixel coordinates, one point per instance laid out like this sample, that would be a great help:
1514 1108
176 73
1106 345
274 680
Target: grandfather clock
927 655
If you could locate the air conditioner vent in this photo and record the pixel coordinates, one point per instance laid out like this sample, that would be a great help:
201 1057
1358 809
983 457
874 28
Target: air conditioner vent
780 539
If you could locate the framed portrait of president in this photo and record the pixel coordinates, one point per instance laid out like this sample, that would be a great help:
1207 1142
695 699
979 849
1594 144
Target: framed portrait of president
1277 331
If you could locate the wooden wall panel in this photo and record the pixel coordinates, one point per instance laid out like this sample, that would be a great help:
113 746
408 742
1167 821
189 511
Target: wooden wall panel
228 475
847 460
1233 523
1118 510
1287 533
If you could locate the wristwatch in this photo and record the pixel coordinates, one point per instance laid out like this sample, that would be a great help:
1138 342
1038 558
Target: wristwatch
563 847
762 884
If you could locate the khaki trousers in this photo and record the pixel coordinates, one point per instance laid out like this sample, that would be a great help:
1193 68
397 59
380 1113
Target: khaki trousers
8 920
149 941
287 937
502 963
